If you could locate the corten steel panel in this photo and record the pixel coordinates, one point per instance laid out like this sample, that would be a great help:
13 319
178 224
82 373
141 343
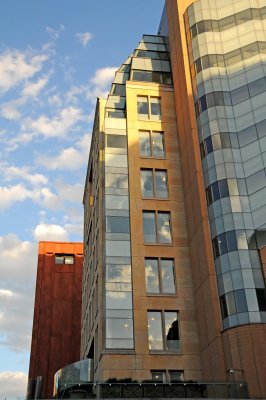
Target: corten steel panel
57 313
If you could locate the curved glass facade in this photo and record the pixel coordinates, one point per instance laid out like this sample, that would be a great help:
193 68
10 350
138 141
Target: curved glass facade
227 50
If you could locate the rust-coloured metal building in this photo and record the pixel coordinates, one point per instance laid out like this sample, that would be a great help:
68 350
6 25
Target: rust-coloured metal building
57 313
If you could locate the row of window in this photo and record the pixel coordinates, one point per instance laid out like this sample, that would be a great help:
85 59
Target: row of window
155 55
151 143
156 226
235 302
149 107
232 241
152 76
217 190
227 22
64 259
235 140
167 376
217 99
225 60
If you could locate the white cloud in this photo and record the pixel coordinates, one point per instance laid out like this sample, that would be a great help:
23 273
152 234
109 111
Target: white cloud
12 172
55 33
10 110
12 194
55 127
32 89
13 384
103 76
16 66
18 272
50 232
6 293
84 38
70 158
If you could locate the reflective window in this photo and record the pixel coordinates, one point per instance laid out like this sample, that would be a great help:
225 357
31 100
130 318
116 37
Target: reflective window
118 141
117 181
118 90
217 190
154 183
261 297
224 243
161 190
160 277
151 144
147 187
118 273
145 143
156 227
64 259
158 144
143 108
149 107
155 107
176 376
158 376
155 331
117 224
164 228
163 330
149 229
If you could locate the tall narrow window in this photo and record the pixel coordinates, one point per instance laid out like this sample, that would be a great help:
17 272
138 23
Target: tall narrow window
147 187
149 226
161 190
143 107
155 104
164 230
163 330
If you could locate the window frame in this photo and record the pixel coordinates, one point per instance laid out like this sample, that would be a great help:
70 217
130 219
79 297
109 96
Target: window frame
160 278
154 186
165 348
156 219
64 257
149 116
152 155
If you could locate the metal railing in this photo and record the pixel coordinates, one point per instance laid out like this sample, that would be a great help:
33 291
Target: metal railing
153 390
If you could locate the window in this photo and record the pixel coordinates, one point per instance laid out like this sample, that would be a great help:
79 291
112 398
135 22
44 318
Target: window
149 107
224 243
160 276
154 183
151 144
167 376
117 141
157 227
116 181
117 224
63 259
176 376
163 330
158 376
143 109
217 190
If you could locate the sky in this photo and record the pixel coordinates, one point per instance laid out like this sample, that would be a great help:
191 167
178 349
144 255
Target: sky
56 57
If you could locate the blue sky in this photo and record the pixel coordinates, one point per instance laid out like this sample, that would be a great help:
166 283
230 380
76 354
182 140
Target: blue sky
55 58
